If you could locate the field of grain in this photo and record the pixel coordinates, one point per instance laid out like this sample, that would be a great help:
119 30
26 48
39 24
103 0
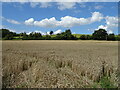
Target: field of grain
59 64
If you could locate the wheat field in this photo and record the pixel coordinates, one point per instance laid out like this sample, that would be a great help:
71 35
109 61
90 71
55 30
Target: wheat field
59 64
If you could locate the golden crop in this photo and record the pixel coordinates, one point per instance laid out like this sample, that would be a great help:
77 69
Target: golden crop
58 64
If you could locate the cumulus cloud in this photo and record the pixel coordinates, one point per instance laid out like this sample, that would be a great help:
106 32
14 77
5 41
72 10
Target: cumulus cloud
58 31
55 32
29 21
111 22
37 31
66 21
102 27
96 16
46 33
28 33
52 22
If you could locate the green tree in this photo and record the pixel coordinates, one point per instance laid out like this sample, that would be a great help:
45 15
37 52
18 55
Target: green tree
117 37
67 35
68 32
83 37
25 36
100 34
51 32
111 37
4 32
88 37
8 37
47 37
37 35
21 34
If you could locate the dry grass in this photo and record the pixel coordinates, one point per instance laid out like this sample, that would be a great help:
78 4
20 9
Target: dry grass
58 64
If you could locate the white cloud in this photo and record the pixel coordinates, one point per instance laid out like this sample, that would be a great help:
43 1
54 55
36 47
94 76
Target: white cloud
28 33
111 23
98 7
52 22
96 16
66 5
37 31
46 33
12 30
110 32
29 21
60 5
34 4
59 0
45 4
40 4
102 27
40 32
58 31
66 21
10 20
69 21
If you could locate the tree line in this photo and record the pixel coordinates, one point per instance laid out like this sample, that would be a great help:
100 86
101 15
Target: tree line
100 34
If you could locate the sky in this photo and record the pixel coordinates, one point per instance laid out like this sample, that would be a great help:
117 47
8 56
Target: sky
79 17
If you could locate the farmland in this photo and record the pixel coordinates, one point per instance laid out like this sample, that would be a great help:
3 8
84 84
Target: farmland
59 64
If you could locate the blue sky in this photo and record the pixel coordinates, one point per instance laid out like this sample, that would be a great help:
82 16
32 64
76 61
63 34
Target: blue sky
81 18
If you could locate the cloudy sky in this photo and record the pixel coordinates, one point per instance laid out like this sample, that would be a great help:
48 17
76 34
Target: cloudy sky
80 17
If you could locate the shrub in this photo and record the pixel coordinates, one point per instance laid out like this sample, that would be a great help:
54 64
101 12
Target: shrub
111 37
